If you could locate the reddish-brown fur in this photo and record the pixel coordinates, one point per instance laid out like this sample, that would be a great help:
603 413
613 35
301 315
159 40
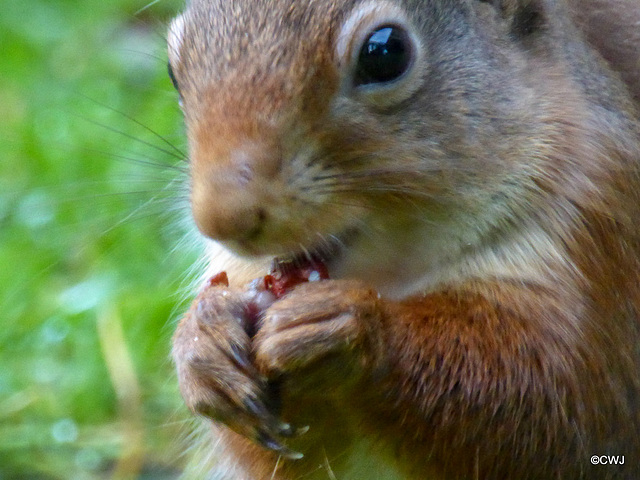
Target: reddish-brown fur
517 354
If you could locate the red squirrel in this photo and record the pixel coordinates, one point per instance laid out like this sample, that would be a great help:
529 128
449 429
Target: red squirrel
469 173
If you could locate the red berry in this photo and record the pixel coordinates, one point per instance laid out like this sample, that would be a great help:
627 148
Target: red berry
219 279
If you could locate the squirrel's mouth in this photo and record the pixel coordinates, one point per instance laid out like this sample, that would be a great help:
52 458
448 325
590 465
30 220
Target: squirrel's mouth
327 251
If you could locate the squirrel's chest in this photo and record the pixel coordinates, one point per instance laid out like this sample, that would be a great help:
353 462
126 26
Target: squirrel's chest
363 463
359 462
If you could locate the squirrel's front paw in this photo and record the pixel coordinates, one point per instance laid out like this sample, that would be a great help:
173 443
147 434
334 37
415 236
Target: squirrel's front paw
322 335
211 350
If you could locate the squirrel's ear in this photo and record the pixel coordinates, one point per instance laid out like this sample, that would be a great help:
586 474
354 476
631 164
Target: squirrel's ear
525 16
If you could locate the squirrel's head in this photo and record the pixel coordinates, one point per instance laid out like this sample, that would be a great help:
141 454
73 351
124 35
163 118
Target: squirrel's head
365 131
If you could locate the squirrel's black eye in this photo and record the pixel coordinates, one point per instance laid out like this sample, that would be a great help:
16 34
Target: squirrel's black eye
172 77
384 57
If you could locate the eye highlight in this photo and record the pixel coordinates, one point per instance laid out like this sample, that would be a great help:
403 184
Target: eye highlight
385 56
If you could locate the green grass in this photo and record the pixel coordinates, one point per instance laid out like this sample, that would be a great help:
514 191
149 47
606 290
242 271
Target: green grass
94 266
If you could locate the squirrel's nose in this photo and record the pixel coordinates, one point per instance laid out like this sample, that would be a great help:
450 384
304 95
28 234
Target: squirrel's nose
228 216
229 195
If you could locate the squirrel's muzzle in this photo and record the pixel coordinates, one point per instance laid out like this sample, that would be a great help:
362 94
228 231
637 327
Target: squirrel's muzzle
231 187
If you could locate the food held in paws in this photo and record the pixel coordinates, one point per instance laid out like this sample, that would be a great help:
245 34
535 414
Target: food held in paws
285 276
282 278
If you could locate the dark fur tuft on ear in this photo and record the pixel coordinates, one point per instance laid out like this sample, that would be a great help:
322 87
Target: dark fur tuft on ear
526 16
528 19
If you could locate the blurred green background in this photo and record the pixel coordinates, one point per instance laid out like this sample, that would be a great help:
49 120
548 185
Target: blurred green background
94 246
